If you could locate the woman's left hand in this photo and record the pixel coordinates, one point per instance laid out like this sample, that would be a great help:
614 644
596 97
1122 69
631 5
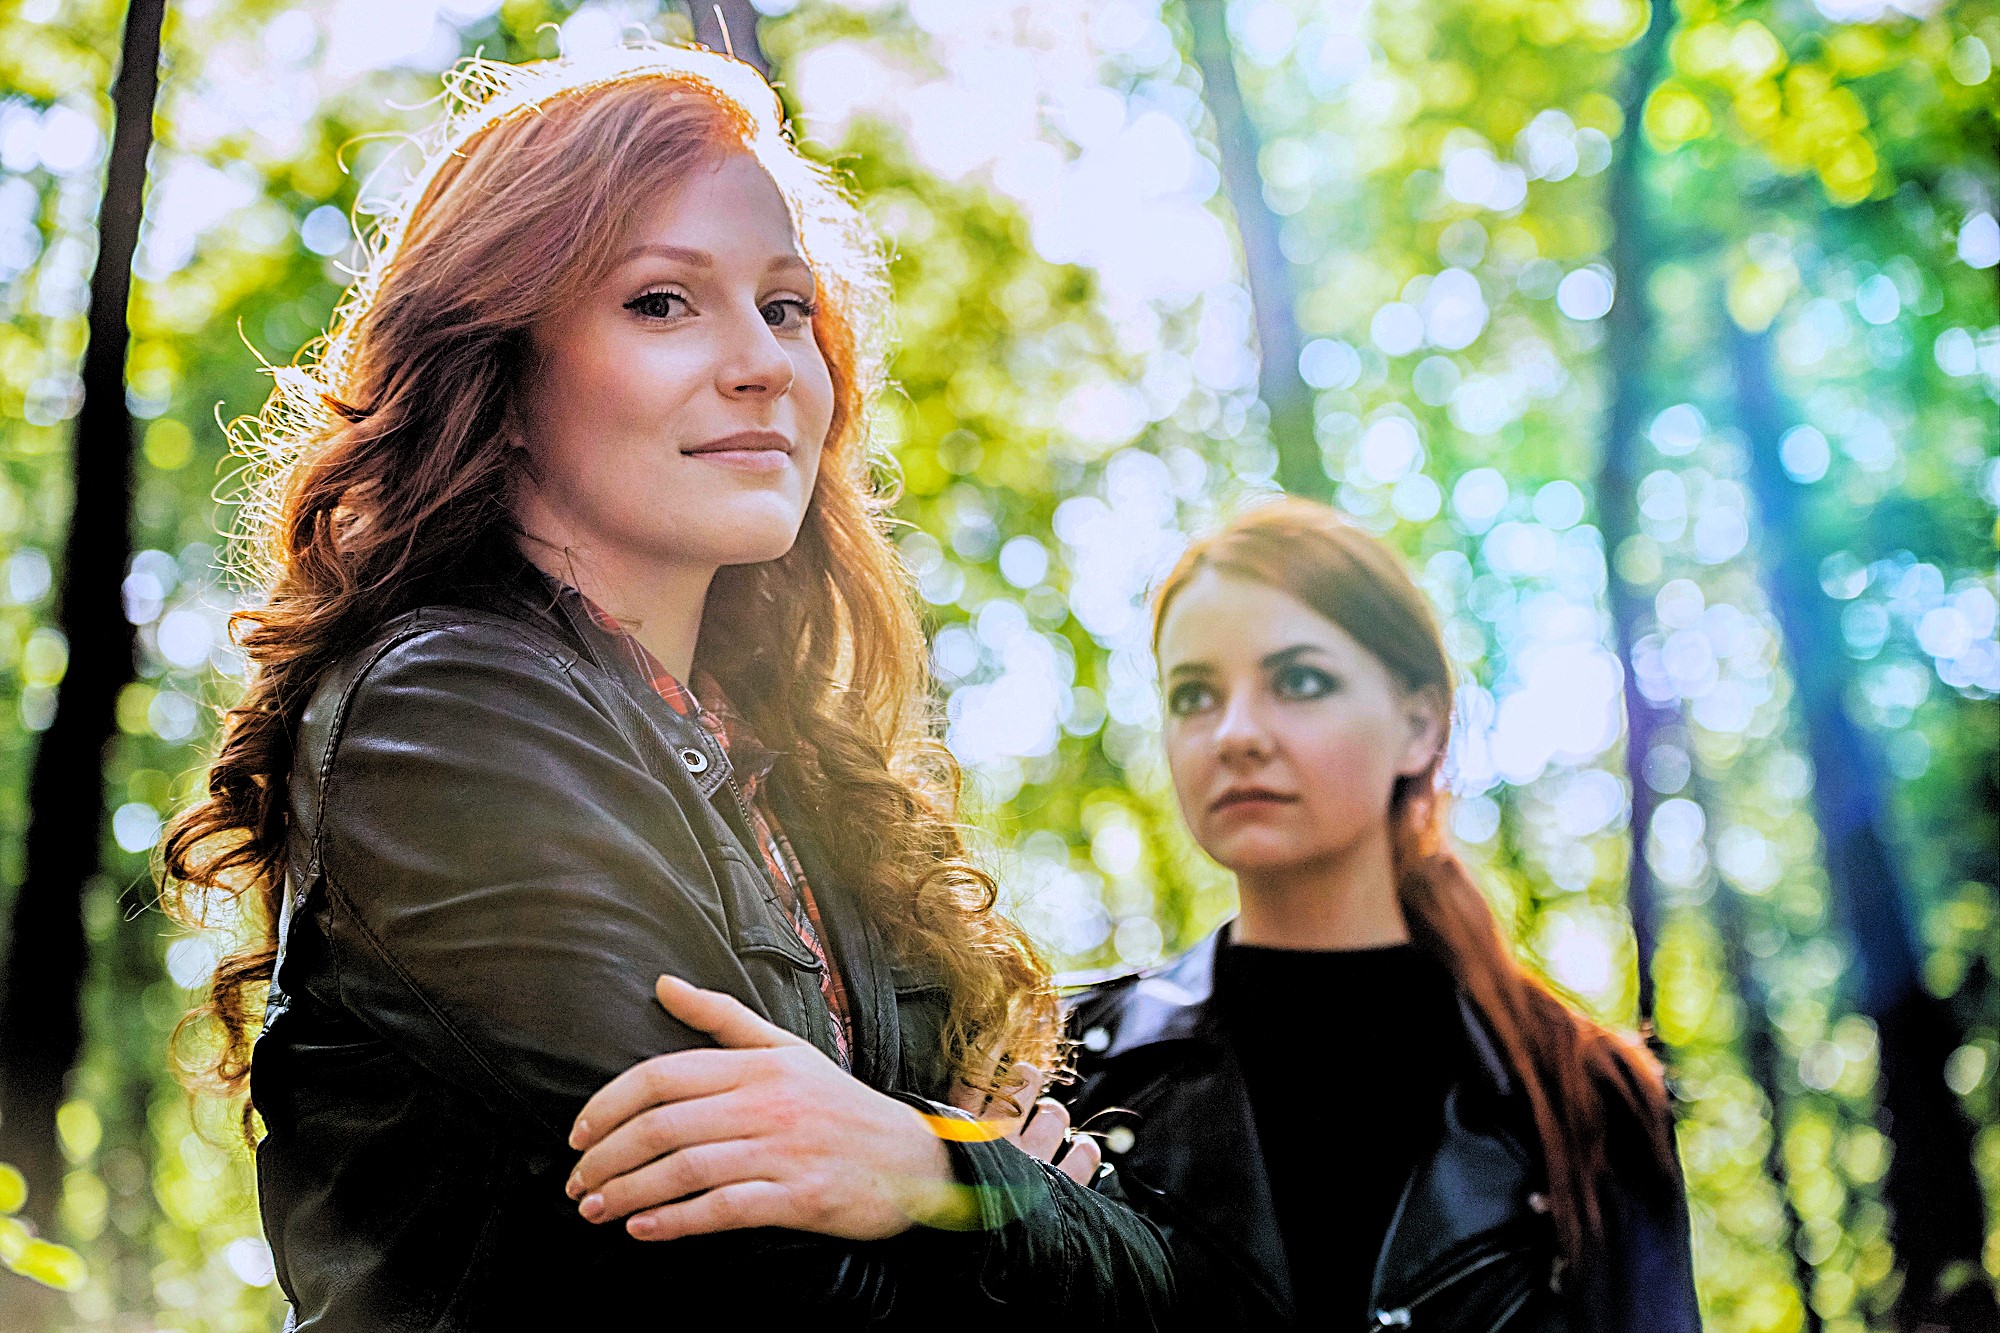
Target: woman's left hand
764 1132
1037 1125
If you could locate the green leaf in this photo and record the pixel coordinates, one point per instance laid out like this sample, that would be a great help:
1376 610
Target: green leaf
52 1265
14 1240
13 1189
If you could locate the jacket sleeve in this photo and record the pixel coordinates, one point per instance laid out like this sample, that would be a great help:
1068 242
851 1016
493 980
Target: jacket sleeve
1063 1250
504 880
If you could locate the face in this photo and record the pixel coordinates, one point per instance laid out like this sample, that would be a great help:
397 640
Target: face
1284 735
676 411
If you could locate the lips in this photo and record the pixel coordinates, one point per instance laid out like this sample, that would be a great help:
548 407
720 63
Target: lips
745 442
1250 797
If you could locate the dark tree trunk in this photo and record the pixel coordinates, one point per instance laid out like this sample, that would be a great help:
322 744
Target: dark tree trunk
1629 363
1932 1189
1630 339
1761 1056
729 25
1285 393
40 1010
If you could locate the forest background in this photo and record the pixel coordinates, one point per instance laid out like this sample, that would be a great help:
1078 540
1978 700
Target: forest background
1662 338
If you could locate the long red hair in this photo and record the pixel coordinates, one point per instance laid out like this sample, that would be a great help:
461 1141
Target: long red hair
1570 1066
382 472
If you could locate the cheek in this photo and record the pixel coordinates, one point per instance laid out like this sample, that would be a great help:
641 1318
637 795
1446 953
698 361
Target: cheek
1191 764
1349 771
812 391
591 391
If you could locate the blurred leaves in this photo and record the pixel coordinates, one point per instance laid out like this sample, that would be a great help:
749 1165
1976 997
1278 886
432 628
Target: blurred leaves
25 1253
1075 390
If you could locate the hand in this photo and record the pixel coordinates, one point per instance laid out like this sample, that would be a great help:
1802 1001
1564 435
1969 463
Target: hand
1040 1128
765 1132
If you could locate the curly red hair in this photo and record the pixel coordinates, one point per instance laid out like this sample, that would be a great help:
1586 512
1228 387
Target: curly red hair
383 468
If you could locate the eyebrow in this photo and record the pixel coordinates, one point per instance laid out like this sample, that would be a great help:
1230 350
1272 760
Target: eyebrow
1280 658
703 259
1285 655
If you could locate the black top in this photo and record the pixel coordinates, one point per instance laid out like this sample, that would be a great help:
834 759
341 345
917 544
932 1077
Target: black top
1467 1249
1347 1055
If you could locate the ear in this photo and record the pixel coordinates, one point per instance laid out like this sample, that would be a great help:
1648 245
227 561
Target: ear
1424 710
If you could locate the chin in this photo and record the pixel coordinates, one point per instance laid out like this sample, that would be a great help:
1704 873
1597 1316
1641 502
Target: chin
1256 850
748 530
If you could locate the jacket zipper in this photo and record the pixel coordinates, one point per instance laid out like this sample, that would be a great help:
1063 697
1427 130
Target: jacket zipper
1399 1316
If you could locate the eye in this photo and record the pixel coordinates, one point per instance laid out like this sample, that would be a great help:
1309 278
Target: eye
1303 682
790 314
1188 698
656 305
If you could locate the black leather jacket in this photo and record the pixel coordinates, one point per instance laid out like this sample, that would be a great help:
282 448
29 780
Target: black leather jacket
499 836
1467 1252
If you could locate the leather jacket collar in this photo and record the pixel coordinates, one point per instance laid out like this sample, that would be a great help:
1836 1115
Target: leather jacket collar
523 590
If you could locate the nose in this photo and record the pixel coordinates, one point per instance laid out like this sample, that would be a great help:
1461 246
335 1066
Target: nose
754 364
1241 738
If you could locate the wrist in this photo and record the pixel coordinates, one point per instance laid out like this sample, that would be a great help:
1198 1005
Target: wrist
937 1198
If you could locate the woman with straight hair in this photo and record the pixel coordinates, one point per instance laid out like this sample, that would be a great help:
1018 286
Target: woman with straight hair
1352 1108
614 956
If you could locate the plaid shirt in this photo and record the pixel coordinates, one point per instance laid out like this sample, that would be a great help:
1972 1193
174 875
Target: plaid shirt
751 765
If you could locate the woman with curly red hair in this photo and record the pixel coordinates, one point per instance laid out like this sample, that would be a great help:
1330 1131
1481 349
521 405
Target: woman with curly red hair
582 798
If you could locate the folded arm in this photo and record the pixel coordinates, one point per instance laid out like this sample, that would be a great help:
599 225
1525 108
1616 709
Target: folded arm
507 879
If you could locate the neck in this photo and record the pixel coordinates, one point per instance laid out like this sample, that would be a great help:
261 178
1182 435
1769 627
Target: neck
1346 901
658 604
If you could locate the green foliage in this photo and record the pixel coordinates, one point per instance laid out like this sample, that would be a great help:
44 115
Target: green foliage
1432 161
22 1252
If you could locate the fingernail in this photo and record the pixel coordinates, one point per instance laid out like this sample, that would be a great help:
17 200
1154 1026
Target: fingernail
592 1207
642 1227
579 1133
574 1186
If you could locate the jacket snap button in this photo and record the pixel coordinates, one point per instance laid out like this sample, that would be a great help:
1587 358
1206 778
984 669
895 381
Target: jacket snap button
1097 1039
696 761
1120 1139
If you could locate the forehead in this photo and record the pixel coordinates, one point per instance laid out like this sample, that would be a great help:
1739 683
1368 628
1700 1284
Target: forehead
728 207
1222 620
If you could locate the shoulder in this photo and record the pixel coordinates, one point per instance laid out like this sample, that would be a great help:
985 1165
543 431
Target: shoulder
451 643
444 673
1094 1013
1646 1276
1114 1013
1092 994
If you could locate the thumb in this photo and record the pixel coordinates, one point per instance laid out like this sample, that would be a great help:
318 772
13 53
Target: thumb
721 1016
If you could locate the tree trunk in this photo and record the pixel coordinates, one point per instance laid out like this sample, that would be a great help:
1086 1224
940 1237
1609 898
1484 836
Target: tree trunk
40 1010
1937 1216
1285 393
1629 363
1761 1055
1630 339
731 26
